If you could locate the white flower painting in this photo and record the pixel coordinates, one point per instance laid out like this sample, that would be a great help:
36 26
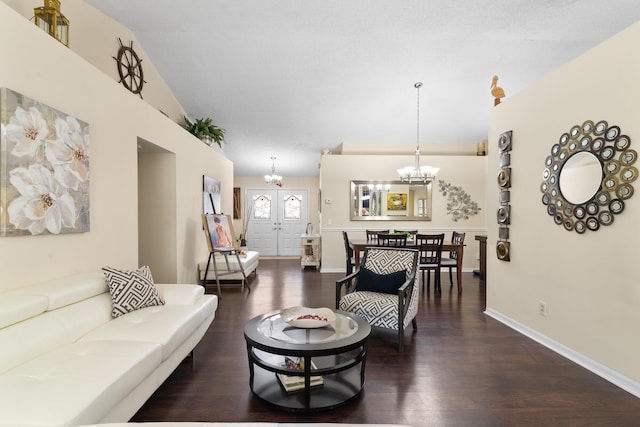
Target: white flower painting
44 176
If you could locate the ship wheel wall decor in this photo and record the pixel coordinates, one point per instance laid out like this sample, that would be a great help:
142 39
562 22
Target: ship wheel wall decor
130 68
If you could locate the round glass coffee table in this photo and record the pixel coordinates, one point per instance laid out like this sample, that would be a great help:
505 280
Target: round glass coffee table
322 367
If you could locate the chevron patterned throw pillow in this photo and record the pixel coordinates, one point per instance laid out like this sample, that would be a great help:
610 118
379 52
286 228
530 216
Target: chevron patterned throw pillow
131 290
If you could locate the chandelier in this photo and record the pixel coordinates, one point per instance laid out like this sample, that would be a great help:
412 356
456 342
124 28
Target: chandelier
273 178
416 173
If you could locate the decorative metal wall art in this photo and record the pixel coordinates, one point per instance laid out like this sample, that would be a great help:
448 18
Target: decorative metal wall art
44 169
588 176
459 203
503 215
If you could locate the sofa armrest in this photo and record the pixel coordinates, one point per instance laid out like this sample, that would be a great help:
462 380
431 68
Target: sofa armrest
180 294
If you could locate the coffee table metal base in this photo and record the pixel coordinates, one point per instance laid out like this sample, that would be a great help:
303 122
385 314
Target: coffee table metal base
340 362
336 390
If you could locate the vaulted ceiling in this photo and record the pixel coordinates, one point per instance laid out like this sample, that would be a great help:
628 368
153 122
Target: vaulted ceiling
289 78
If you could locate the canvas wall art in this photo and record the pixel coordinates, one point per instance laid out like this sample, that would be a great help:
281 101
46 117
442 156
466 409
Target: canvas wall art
219 232
397 201
211 195
44 169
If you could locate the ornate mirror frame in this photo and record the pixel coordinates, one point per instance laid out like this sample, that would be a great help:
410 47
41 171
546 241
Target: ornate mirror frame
612 150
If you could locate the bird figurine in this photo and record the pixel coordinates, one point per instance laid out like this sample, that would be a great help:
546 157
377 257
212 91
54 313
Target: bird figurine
496 91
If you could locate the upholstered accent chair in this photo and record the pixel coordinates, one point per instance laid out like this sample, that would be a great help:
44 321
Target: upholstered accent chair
383 289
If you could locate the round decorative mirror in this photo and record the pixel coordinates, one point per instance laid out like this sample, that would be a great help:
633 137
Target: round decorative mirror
588 176
580 177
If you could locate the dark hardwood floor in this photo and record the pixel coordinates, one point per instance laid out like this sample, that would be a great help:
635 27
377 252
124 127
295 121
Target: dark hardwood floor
460 368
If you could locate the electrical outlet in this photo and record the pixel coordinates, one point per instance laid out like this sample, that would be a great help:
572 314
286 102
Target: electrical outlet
542 308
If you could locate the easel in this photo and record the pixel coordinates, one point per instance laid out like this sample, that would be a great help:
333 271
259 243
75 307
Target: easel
225 252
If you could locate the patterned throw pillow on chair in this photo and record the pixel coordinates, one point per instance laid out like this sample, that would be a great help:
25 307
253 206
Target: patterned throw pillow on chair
385 283
131 290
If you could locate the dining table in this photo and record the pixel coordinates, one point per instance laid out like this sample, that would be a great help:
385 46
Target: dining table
359 245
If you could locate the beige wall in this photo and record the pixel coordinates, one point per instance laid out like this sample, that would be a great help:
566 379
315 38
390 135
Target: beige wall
590 282
157 208
310 183
400 148
337 171
41 68
94 37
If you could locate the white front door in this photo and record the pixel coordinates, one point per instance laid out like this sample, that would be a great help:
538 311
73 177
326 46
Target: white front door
278 218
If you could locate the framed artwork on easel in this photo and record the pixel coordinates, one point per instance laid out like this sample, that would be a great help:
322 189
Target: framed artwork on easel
219 232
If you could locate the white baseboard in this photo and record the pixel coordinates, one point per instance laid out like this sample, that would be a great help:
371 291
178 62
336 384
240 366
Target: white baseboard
597 368
332 270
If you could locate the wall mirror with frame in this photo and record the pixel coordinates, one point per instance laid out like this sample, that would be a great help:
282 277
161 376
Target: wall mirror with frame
390 201
588 176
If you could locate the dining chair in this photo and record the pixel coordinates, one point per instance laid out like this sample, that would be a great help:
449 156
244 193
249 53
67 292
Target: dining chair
348 248
383 290
372 235
430 248
452 261
392 239
411 234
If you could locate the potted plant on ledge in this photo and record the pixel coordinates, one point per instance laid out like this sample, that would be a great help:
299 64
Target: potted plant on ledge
206 130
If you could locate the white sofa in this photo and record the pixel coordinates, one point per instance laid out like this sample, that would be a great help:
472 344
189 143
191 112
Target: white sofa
64 361
249 261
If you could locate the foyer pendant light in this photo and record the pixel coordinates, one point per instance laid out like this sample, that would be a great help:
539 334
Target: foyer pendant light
273 178
417 173
54 23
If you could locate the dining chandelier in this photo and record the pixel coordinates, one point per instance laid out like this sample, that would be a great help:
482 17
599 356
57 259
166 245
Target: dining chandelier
273 178
417 173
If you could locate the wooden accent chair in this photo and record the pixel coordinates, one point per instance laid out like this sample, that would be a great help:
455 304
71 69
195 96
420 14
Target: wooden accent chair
430 247
350 259
372 235
412 232
393 240
452 261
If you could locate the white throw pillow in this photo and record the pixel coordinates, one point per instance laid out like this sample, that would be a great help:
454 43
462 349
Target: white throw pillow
131 290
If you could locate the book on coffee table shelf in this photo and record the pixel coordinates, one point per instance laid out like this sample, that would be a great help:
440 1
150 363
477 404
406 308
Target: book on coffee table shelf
293 383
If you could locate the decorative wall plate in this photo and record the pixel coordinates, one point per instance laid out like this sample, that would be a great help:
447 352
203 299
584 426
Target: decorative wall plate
504 178
504 141
503 250
503 233
505 160
503 214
